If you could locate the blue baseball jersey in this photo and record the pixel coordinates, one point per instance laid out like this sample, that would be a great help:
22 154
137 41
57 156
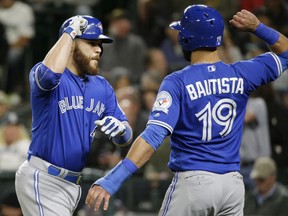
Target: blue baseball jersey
64 108
203 107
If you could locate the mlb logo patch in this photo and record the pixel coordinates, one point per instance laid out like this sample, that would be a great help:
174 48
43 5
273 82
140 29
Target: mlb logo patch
211 68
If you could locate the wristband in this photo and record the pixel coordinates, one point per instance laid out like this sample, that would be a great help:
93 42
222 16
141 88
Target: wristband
124 139
269 35
129 165
113 180
72 32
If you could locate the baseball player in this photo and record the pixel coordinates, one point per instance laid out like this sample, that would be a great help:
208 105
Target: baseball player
68 102
202 108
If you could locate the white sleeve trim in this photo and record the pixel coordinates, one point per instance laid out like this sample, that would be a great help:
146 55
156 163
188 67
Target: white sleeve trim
278 63
38 81
163 124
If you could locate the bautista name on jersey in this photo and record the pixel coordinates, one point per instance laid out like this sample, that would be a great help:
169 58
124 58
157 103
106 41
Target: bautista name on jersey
215 86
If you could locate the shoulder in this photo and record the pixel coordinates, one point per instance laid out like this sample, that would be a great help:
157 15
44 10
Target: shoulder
178 75
99 80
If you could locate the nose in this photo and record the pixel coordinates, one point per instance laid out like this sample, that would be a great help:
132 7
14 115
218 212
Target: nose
98 50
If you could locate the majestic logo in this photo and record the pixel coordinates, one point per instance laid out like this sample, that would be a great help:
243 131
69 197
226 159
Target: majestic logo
163 102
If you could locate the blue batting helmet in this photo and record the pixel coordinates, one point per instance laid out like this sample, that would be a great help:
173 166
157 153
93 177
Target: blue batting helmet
200 26
93 31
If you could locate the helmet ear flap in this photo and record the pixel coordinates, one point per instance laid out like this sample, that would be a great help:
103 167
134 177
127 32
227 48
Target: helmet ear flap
187 54
185 40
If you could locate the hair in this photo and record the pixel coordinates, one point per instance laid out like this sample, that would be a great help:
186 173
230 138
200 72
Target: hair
187 53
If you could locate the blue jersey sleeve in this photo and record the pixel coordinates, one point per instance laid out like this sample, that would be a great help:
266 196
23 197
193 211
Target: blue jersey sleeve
261 69
112 106
42 78
166 108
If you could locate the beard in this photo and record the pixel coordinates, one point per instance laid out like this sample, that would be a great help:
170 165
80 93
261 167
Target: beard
84 64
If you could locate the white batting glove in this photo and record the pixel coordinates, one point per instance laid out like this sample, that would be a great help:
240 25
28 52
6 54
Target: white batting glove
111 126
77 26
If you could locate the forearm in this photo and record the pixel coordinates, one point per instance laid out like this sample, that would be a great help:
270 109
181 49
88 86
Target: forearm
57 58
280 46
140 152
276 41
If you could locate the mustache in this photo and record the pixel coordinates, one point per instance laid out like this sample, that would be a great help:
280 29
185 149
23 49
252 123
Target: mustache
95 58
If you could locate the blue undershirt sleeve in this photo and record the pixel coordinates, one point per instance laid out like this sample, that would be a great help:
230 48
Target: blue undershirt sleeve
154 135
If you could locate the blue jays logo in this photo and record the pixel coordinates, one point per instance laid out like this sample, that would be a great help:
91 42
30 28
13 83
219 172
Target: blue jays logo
99 25
163 102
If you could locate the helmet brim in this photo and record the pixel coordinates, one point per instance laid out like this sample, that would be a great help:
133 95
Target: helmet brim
101 37
105 39
175 25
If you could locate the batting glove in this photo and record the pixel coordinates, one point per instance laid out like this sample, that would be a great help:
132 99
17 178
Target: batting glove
76 27
111 126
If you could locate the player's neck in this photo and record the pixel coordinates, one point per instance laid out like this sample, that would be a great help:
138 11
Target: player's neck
73 68
204 56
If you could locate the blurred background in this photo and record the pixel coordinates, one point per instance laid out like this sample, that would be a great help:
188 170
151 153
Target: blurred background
144 51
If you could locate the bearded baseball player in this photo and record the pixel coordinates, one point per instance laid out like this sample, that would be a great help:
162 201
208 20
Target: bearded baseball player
69 100
202 108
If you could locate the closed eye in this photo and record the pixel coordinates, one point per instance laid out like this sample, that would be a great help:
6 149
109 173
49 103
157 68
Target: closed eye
94 42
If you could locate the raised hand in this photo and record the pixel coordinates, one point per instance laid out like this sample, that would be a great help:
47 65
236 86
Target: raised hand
77 26
245 21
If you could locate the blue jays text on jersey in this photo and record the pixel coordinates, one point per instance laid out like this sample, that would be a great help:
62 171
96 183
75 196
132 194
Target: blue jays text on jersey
76 102
203 108
64 108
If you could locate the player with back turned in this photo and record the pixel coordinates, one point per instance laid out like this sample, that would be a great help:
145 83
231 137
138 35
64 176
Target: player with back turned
68 98
202 108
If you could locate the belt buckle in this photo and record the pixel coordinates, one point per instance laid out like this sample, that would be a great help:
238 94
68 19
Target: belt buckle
79 179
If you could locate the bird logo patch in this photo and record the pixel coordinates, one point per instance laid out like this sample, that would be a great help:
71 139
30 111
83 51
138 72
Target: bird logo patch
163 102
